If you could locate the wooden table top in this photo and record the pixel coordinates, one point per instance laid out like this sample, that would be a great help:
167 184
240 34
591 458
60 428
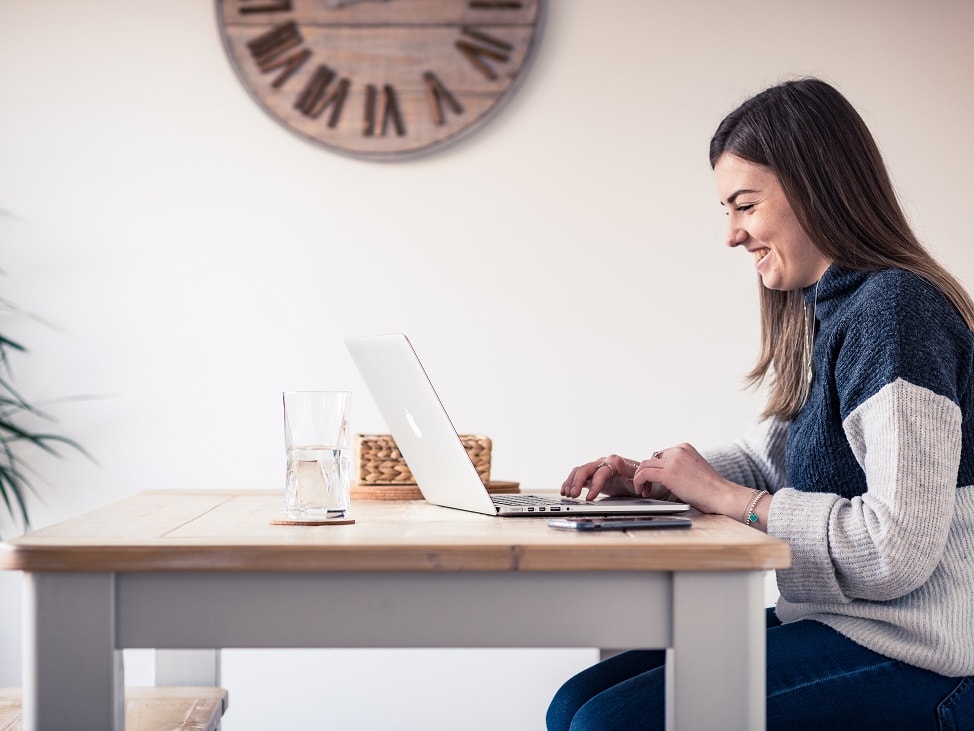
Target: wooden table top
199 530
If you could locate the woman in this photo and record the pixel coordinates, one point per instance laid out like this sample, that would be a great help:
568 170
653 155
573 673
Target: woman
864 461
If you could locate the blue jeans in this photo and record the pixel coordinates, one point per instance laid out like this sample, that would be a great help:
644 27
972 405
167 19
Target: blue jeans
817 679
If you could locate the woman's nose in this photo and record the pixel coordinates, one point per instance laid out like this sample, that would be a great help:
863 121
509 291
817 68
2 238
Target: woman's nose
735 234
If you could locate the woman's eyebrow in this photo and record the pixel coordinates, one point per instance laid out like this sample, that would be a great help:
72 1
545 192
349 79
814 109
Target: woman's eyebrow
733 197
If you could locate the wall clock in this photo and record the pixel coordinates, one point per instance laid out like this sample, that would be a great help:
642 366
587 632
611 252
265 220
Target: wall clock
380 79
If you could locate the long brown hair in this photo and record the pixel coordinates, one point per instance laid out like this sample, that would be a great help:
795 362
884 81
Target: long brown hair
834 178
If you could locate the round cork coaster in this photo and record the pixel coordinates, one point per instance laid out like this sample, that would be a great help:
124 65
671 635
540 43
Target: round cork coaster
313 521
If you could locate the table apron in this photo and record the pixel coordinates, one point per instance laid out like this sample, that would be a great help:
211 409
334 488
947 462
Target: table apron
393 609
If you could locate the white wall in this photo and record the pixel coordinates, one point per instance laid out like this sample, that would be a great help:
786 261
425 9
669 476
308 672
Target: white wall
561 272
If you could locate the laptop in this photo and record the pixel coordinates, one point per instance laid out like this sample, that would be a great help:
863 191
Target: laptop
433 450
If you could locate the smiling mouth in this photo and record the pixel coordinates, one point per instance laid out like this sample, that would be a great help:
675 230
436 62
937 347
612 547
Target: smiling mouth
759 254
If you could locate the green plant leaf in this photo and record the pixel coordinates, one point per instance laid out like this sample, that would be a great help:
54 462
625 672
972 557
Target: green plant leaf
17 478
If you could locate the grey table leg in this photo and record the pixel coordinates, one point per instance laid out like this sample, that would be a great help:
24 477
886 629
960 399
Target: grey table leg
716 669
188 667
73 676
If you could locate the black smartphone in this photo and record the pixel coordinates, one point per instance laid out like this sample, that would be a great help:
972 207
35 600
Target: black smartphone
621 522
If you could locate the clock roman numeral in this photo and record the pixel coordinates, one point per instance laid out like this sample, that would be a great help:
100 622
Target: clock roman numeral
437 93
274 42
390 111
486 47
268 48
276 6
315 97
290 64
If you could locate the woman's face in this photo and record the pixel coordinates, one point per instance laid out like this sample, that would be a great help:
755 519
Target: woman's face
761 220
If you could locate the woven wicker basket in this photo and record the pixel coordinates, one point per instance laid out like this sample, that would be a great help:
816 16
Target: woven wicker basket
381 463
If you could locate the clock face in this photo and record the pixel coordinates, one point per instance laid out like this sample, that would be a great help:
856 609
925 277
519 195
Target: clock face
380 78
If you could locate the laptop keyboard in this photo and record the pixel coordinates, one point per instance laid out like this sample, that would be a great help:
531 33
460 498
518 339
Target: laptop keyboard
530 500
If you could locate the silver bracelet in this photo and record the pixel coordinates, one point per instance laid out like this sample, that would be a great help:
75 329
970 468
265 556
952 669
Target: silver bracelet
750 517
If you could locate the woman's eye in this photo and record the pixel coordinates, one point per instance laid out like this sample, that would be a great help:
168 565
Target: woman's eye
744 207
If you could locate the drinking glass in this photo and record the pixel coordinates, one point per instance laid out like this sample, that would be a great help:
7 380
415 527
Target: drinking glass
316 437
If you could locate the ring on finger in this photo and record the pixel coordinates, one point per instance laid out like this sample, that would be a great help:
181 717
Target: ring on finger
606 464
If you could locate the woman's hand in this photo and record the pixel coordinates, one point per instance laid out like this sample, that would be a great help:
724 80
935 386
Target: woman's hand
691 479
610 475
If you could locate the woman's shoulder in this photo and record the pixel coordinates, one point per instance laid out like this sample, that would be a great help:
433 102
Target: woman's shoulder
902 301
898 325
898 285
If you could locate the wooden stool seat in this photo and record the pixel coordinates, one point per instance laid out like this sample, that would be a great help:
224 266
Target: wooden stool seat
146 709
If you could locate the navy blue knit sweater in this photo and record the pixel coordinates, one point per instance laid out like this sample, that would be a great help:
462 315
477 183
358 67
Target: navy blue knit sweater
873 482
875 328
